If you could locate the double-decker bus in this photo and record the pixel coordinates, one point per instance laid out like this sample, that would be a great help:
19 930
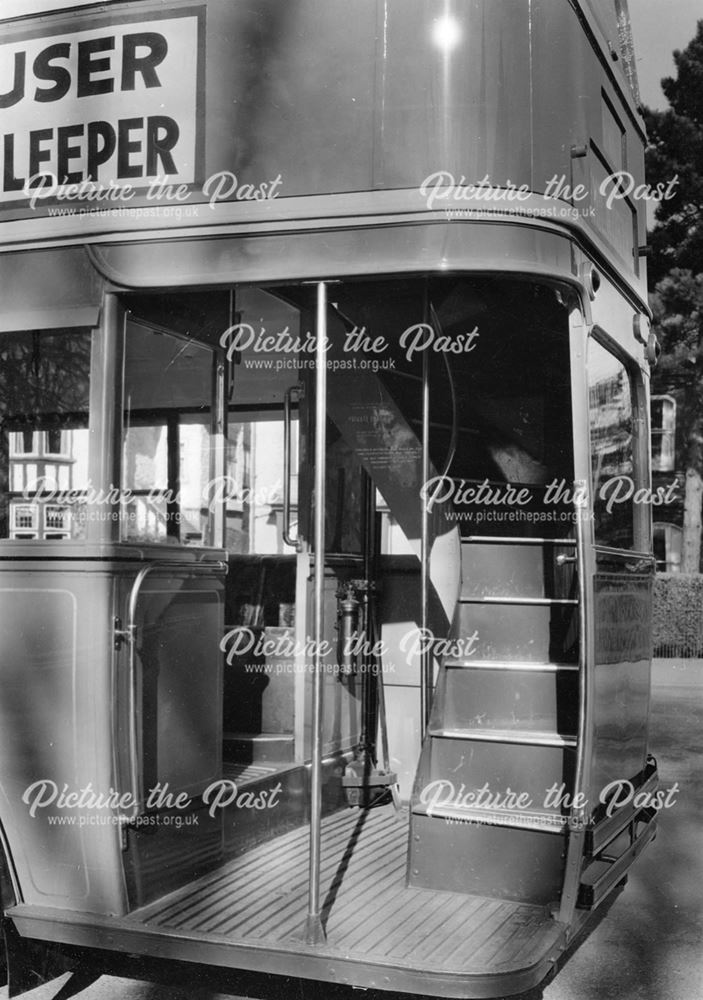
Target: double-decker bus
325 544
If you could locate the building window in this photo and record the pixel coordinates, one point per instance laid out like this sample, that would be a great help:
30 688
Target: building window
53 442
44 436
663 409
24 517
668 539
23 443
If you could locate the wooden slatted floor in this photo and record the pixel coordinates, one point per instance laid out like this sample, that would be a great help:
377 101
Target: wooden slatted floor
368 911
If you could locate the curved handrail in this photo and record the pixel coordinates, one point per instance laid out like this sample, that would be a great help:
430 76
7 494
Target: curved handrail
287 419
578 813
129 635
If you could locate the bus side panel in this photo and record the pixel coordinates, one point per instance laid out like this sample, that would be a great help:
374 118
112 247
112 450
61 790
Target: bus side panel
55 721
363 113
621 681
178 705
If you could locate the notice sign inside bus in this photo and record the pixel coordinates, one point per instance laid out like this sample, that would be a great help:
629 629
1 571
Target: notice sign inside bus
113 105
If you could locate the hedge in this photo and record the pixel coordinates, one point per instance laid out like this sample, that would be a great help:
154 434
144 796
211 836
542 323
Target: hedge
678 614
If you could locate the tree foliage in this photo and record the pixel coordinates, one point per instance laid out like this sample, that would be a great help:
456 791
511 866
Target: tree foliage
675 149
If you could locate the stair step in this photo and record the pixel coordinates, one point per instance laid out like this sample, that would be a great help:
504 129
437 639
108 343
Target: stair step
514 540
600 877
517 819
538 601
514 570
454 773
466 663
521 736
516 702
541 633
608 828
486 860
255 748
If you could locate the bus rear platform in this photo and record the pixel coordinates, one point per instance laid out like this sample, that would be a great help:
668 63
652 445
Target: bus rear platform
250 914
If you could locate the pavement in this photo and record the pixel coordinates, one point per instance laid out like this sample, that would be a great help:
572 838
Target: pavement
648 945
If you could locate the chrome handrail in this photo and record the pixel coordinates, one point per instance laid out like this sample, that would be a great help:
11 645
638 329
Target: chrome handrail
314 930
129 635
287 417
579 811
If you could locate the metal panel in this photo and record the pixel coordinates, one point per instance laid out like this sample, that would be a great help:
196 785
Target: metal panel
382 250
475 858
45 289
510 700
623 609
55 712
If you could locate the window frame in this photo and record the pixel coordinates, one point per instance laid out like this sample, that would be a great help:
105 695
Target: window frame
661 432
641 512
217 394
42 532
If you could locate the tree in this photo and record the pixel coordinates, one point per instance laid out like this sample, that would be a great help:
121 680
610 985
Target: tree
675 150
677 304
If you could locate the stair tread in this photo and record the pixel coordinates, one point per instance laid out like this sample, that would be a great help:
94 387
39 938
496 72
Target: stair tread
525 819
259 737
532 737
537 601
514 540
466 662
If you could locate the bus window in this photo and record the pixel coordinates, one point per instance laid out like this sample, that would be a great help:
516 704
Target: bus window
612 430
44 390
167 447
254 503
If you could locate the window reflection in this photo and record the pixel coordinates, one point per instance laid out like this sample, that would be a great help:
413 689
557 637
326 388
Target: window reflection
44 394
254 482
167 457
663 411
612 448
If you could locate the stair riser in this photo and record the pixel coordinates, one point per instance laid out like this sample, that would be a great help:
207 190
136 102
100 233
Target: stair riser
259 750
527 770
527 633
507 699
486 860
515 570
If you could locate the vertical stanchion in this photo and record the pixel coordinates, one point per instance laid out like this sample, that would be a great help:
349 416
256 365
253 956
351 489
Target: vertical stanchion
314 930
426 655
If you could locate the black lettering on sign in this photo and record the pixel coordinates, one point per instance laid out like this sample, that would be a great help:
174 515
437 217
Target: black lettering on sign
44 69
37 155
87 66
17 92
9 181
101 146
67 152
146 64
161 136
126 146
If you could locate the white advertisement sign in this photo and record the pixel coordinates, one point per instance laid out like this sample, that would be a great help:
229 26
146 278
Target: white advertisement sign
113 106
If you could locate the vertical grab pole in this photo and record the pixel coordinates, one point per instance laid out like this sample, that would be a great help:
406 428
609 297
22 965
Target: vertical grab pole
425 655
579 813
314 930
585 568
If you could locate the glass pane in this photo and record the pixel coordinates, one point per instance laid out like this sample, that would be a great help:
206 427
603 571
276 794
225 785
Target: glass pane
44 398
612 448
663 411
254 496
497 354
167 443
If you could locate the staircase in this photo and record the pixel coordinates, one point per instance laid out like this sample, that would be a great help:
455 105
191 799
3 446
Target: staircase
503 727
